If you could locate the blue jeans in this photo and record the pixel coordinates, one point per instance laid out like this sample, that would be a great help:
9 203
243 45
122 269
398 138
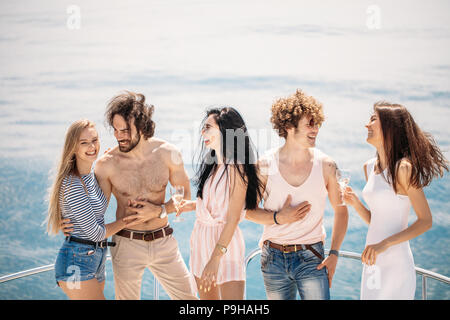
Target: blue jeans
286 273
80 262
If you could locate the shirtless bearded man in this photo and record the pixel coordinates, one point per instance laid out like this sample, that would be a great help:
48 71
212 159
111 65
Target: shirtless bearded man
137 172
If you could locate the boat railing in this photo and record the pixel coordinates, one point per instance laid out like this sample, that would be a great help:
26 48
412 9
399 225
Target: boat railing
425 274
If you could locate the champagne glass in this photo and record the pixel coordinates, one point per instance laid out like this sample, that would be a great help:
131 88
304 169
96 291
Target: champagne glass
177 194
343 178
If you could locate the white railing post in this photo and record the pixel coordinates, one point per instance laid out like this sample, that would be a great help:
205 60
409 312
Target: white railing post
424 287
155 289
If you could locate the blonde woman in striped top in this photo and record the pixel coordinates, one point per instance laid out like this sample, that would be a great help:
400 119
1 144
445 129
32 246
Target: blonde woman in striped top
225 191
75 196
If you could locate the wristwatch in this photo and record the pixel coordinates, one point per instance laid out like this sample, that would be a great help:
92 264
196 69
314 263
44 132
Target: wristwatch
335 252
221 248
163 213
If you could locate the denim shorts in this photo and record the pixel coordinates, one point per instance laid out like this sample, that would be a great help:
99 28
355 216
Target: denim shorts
80 262
285 274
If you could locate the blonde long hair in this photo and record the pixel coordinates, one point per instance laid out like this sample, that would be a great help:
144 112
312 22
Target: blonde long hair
66 166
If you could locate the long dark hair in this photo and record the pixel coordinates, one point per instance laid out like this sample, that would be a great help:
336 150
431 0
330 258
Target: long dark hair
237 150
403 138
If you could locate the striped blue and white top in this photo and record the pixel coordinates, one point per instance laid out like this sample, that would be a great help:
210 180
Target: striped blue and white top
86 211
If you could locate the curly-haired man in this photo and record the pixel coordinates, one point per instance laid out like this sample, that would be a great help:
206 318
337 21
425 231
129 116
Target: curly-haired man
292 243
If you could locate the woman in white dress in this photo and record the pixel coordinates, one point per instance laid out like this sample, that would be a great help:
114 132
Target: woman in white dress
407 160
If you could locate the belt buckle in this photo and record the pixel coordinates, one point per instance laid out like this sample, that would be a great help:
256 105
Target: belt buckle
143 236
287 245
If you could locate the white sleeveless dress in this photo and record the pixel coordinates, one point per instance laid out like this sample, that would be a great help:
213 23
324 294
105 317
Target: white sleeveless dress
393 275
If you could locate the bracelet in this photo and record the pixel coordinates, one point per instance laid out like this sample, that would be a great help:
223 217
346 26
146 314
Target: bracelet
275 217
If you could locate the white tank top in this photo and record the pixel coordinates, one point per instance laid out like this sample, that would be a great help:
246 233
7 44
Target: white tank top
308 230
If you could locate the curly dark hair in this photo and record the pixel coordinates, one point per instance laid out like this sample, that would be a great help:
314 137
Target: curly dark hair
286 112
132 105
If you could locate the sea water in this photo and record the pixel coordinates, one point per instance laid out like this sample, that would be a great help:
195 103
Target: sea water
55 69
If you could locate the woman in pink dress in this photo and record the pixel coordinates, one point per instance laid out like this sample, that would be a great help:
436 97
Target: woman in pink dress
228 184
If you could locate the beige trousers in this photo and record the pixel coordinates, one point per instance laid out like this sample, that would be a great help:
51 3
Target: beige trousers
130 257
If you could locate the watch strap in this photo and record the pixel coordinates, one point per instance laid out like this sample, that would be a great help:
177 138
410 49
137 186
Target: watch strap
335 252
163 213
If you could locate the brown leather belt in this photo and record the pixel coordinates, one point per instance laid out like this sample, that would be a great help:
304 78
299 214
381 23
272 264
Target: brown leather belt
288 248
146 235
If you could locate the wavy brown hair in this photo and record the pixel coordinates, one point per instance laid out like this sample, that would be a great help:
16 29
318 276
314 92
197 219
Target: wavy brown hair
286 112
403 139
131 105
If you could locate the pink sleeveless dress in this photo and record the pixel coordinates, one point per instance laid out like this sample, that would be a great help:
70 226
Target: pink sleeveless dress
211 215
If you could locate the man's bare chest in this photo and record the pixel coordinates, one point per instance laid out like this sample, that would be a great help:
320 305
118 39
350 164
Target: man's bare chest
133 178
